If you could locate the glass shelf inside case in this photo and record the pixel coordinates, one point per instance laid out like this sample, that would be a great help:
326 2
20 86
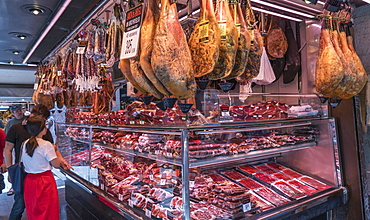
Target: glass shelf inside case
224 107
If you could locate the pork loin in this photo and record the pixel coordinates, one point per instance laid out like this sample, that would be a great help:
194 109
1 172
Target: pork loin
171 57
229 42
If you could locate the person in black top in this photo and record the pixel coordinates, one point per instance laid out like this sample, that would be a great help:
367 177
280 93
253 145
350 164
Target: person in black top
17 134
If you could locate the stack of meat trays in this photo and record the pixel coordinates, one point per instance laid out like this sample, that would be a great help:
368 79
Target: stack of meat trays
221 192
257 203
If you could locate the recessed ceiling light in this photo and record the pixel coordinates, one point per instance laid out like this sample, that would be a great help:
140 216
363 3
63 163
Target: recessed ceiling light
14 51
20 35
35 9
11 62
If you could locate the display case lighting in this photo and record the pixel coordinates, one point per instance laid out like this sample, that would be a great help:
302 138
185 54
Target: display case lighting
283 8
277 14
367 1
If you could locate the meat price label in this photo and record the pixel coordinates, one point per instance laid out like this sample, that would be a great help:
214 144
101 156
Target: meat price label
131 37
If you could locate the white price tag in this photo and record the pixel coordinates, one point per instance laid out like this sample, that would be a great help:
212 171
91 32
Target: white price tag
156 152
102 186
151 177
191 184
120 197
59 72
247 207
80 50
130 203
163 182
174 181
130 41
35 86
148 213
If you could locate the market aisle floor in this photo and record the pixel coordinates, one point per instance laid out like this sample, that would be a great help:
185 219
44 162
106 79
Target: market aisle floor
6 202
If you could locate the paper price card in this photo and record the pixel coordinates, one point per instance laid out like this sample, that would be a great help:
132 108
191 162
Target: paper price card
131 37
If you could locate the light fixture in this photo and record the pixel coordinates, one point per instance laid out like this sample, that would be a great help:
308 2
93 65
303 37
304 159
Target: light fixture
277 14
186 16
367 1
20 35
36 11
283 8
48 28
14 51
11 63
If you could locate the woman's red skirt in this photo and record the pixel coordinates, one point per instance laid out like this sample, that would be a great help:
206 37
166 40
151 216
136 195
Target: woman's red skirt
41 196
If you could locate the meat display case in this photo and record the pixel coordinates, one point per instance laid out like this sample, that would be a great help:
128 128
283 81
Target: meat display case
258 170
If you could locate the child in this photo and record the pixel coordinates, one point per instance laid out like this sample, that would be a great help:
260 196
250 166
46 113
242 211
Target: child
38 157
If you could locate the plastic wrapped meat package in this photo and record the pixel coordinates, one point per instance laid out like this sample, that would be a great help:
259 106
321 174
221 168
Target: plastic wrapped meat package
288 190
303 187
258 201
281 176
291 173
276 166
234 175
249 169
314 183
250 184
264 177
265 169
272 196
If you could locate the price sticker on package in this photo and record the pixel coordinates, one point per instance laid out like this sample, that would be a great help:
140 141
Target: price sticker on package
247 207
131 36
120 197
131 203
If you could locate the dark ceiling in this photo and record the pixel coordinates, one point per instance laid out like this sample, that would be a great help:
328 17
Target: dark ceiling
16 20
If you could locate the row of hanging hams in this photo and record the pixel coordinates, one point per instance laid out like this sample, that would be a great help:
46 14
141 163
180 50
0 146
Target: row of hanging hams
225 44
339 71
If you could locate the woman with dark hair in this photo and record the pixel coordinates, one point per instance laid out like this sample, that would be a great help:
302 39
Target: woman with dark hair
38 157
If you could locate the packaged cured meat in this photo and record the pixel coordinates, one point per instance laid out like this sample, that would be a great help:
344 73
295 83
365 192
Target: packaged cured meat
204 41
291 173
275 166
234 175
329 68
302 187
171 58
314 183
258 201
281 176
250 183
288 190
265 169
272 196
244 41
228 44
264 177
248 169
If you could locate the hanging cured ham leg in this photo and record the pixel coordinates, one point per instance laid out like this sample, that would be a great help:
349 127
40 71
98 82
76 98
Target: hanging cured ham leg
329 68
146 44
350 72
204 41
171 57
229 42
244 42
346 39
